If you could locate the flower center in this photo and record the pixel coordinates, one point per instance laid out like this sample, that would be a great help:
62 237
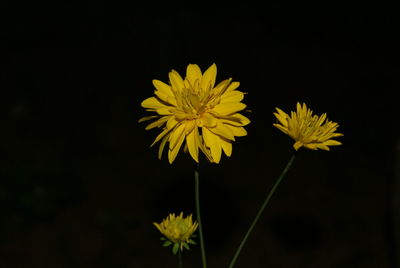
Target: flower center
194 101
179 229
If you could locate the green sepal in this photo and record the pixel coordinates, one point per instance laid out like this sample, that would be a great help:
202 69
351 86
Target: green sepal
175 248
185 245
167 243
192 242
163 238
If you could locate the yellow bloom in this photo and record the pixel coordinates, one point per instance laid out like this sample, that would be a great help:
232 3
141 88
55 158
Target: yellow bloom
197 111
306 129
178 230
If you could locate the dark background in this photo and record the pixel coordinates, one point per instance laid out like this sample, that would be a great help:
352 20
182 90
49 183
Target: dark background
79 186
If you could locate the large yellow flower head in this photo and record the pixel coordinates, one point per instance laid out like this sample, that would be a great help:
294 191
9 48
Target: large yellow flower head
178 230
308 130
197 111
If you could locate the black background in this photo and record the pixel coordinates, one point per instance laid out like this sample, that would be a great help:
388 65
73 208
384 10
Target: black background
79 186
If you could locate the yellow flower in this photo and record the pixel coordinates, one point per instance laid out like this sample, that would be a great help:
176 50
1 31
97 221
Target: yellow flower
306 129
178 230
197 111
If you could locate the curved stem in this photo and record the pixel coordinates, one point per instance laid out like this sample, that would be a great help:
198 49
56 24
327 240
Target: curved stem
180 262
265 203
197 194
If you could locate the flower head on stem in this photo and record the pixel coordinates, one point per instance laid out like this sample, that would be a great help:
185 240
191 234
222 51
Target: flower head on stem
196 110
310 131
177 231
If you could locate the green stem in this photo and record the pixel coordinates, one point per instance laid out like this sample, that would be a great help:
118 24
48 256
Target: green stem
180 262
265 203
203 252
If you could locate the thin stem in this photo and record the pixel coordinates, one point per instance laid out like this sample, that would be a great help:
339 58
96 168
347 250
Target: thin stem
265 203
203 252
180 262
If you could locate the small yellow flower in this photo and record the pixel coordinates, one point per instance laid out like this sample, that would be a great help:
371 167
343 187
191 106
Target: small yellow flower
178 230
306 129
197 111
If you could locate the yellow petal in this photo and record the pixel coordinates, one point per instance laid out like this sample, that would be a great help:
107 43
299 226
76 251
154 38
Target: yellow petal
205 150
171 123
146 118
301 109
209 76
224 131
281 113
297 145
232 96
332 143
176 135
153 103
162 87
208 120
179 114
229 108
193 73
157 123
226 147
321 119
162 145
168 99
232 86
163 111
189 126
192 141
282 118
281 128
235 120
158 227
311 146
162 134
213 142
238 131
322 146
176 81
222 86
333 135
172 153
